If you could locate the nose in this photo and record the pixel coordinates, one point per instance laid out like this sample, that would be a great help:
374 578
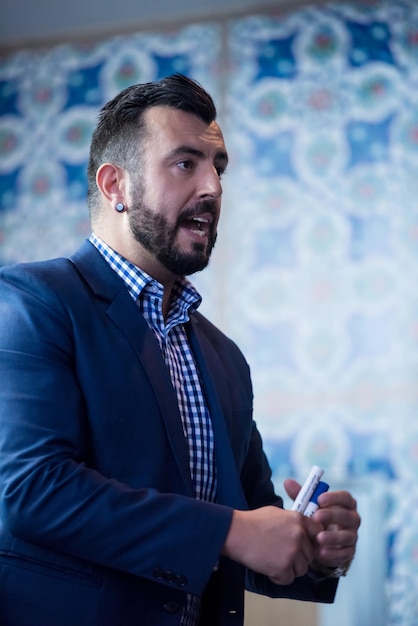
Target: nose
210 184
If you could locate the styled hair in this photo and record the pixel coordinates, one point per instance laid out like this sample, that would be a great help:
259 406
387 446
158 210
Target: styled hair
121 125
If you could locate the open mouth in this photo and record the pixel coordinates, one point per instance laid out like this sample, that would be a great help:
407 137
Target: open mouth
198 225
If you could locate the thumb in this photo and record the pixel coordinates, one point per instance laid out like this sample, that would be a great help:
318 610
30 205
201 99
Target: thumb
292 487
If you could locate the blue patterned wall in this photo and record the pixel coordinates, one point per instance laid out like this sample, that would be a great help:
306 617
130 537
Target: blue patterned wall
314 274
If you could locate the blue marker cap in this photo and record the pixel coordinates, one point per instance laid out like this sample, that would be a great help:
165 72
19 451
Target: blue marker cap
321 488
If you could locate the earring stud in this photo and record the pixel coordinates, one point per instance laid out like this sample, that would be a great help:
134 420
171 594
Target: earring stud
120 207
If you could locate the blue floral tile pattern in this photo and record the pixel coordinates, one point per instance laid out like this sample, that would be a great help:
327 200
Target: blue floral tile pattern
321 237
316 267
48 109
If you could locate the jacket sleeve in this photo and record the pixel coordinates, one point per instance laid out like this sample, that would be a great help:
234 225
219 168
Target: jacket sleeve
51 493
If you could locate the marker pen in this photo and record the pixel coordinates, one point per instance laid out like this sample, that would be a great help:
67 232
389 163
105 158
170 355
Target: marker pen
307 489
313 502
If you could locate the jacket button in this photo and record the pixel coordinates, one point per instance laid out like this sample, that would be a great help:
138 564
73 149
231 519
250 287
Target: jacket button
171 577
171 606
159 573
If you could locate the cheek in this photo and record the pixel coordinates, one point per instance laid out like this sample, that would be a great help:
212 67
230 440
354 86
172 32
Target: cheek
172 205
217 219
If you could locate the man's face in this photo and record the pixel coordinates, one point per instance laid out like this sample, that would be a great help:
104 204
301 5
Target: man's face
176 197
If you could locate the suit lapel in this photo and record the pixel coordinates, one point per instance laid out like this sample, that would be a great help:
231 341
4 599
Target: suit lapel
229 485
107 285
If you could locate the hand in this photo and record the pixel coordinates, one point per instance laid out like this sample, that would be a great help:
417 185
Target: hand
272 541
337 514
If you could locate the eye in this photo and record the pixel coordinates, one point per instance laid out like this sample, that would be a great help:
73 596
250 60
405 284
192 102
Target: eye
186 164
220 171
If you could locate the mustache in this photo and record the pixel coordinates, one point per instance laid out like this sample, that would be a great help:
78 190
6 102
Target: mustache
204 206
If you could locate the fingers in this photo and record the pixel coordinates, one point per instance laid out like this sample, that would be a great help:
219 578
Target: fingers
296 565
288 574
336 543
332 553
312 527
341 498
336 539
273 541
338 509
293 550
283 544
292 487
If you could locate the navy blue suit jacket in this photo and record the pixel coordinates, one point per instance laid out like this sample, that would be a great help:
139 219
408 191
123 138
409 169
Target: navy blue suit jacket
99 526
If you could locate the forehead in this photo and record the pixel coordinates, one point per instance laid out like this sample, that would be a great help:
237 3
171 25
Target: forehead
168 128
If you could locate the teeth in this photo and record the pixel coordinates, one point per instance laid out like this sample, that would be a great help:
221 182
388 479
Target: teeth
199 221
199 224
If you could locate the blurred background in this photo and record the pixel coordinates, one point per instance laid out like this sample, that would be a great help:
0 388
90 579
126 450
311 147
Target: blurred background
315 268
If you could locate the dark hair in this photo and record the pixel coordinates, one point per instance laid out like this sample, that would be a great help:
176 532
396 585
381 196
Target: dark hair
120 124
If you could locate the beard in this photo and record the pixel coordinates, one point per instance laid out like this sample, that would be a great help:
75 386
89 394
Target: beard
158 236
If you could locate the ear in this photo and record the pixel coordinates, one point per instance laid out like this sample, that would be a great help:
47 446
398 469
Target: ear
111 180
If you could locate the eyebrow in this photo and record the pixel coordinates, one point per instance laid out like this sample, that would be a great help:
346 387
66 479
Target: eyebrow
184 149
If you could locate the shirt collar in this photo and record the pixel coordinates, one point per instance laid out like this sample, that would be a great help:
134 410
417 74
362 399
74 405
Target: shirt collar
184 294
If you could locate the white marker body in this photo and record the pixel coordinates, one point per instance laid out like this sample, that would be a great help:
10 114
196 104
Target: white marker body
307 489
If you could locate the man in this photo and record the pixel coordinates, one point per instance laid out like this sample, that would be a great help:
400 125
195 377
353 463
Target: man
134 488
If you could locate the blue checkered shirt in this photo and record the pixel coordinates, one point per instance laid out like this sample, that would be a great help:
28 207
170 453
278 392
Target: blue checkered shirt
172 338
